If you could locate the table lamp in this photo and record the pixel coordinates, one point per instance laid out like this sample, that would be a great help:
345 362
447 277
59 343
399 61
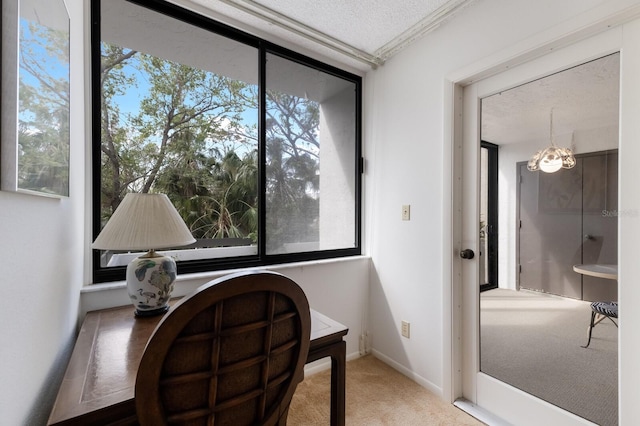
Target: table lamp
146 222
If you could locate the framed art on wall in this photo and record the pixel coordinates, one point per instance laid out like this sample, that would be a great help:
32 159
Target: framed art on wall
34 145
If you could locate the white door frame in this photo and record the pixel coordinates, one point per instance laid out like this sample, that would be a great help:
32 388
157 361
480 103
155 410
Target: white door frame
593 27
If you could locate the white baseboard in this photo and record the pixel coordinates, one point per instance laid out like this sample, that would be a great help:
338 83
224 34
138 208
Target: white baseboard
325 364
410 374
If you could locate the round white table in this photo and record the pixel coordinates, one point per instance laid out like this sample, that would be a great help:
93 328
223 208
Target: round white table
599 270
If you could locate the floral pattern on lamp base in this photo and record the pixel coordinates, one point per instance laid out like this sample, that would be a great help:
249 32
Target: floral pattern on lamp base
150 281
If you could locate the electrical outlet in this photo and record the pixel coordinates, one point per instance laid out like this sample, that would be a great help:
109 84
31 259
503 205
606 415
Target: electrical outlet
406 329
406 212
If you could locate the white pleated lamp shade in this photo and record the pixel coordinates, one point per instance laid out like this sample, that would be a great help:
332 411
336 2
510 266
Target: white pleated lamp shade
144 222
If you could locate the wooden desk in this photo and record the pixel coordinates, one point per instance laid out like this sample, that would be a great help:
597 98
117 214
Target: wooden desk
98 386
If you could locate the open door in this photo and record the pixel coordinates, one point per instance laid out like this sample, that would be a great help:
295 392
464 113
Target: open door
505 400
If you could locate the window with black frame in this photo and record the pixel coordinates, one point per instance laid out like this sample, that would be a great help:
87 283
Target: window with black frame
488 266
257 147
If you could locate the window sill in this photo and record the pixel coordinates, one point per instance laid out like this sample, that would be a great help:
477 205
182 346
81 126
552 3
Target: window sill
112 294
187 278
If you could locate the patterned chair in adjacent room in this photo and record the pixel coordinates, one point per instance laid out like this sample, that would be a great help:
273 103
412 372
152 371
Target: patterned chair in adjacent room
232 353
606 309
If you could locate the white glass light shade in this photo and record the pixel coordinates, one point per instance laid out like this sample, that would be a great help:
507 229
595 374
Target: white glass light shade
568 160
144 222
551 160
534 162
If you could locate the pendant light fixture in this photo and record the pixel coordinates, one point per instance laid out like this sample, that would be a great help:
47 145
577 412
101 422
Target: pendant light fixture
552 158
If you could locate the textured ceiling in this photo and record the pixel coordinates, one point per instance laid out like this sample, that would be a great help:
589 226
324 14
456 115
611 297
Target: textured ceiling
367 25
364 33
369 30
584 97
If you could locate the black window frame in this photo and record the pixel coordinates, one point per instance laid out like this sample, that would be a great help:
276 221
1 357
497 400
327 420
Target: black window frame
101 274
492 216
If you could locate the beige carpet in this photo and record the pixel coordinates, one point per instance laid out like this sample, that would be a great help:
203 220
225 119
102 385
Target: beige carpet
376 394
533 341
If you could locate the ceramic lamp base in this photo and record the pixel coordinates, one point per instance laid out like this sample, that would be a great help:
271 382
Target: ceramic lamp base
150 281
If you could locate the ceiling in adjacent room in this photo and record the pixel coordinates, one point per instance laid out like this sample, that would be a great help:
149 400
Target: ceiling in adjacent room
582 98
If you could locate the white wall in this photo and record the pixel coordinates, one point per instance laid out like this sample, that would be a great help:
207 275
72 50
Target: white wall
404 136
41 252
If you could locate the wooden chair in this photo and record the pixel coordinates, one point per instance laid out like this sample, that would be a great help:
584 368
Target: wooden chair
232 353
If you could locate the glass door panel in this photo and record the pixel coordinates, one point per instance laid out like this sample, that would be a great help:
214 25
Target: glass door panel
534 323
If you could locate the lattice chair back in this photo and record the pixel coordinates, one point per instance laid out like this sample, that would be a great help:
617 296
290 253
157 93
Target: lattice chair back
232 353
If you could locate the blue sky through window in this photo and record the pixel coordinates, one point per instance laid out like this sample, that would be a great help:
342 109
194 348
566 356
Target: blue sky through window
130 98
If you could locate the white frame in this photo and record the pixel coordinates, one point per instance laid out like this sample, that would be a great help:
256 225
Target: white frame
457 385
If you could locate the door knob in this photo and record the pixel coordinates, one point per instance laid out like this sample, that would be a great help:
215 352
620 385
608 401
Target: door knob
467 254
589 237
